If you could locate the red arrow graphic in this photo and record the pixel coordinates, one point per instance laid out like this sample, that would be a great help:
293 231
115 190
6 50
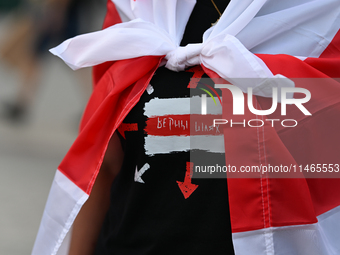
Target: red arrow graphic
187 187
198 73
127 127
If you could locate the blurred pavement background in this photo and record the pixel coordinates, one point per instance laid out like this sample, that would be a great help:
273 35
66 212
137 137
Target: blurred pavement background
31 151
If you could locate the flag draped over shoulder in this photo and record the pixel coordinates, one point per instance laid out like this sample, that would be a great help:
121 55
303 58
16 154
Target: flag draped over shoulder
269 40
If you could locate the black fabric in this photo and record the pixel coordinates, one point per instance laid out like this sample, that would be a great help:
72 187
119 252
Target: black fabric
203 14
154 217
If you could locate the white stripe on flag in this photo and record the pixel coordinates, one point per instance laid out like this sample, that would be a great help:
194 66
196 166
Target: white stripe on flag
63 204
180 106
321 238
165 144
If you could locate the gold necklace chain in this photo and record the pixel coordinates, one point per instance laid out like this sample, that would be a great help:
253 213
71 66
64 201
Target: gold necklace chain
212 24
212 1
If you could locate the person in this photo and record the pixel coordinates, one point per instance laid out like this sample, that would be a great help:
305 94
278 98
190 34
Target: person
144 200
168 202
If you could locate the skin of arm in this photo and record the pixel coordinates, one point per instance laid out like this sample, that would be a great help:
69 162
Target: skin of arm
88 223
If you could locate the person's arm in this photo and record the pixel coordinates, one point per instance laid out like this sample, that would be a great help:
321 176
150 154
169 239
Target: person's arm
88 223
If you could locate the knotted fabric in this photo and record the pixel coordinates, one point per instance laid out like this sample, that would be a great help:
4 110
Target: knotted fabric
223 54
221 51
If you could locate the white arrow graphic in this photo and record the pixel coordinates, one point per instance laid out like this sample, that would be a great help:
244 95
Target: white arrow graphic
138 174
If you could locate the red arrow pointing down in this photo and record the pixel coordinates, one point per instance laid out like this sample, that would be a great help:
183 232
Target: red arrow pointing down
187 187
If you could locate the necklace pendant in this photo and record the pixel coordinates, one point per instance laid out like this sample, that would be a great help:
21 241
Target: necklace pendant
213 24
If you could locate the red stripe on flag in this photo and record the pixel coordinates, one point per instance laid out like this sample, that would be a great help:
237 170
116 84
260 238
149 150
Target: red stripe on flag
112 17
266 202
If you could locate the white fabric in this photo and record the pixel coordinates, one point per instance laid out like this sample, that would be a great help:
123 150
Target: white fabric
63 204
301 27
320 238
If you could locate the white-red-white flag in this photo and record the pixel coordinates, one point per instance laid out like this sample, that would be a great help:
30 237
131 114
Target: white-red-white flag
254 39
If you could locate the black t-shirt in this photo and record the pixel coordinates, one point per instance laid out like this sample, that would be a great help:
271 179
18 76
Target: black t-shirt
150 211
